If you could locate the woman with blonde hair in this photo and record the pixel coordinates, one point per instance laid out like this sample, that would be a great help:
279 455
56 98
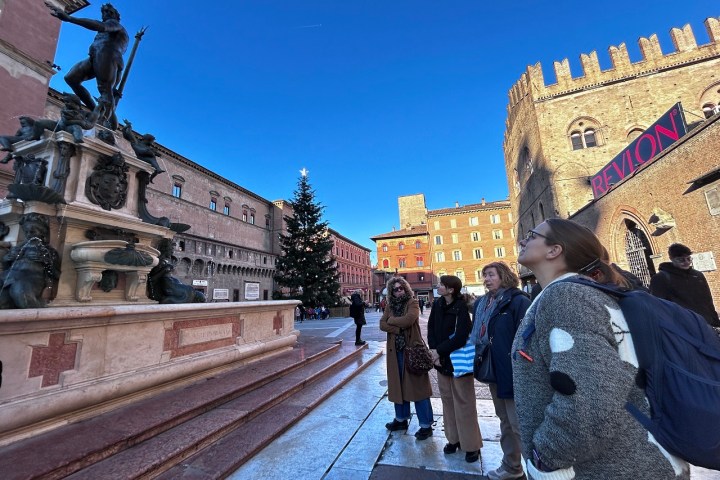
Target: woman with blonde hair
401 322
497 316
574 369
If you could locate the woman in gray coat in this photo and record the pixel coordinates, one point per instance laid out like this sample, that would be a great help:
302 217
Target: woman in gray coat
574 369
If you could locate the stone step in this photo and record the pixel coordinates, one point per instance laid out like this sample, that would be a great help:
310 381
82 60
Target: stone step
223 457
253 387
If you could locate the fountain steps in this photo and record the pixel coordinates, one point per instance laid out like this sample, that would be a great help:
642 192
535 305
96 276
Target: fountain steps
202 430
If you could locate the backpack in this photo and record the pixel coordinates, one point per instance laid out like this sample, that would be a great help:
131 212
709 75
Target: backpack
679 368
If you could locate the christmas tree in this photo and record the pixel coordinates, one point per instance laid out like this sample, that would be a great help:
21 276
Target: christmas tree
307 266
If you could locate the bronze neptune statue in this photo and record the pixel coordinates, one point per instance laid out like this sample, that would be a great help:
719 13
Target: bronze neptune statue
105 61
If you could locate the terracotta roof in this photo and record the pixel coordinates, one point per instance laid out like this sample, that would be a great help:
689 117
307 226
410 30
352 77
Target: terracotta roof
471 207
405 232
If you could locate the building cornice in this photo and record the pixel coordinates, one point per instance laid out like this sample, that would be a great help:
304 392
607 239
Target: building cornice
478 207
70 6
401 234
56 98
42 68
344 238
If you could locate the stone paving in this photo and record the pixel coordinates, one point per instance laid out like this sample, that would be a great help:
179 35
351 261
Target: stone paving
345 437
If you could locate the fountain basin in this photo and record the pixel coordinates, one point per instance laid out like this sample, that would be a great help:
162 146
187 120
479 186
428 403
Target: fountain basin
90 259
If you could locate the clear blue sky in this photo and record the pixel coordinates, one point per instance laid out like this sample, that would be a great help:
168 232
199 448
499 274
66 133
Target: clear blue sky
377 99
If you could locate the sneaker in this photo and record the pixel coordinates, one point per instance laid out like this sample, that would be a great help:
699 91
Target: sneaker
395 425
451 448
424 433
471 457
502 473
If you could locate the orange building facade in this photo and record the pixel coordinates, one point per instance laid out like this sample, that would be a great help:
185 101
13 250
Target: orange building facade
449 241
466 238
406 252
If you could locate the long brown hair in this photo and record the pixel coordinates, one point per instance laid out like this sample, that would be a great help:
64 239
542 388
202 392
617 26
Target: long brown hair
583 251
508 278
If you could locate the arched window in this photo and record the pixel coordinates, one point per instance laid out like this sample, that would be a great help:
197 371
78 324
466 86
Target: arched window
384 247
710 99
584 132
417 244
576 140
525 161
401 246
708 110
635 133
590 139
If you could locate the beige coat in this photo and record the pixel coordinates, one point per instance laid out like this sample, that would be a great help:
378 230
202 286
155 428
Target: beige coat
414 387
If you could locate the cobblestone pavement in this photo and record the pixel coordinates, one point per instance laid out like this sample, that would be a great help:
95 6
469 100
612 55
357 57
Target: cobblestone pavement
345 437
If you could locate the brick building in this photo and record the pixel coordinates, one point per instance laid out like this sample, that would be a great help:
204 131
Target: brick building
465 238
406 252
28 40
559 136
232 245
454 241
353 261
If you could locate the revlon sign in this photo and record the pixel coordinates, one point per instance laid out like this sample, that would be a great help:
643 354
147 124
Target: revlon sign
659 136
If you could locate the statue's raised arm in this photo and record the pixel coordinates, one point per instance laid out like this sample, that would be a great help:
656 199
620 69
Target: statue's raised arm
104 63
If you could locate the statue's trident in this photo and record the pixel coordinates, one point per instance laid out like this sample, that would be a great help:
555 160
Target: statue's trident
121 85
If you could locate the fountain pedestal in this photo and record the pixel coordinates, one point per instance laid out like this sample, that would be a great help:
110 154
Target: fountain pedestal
97 348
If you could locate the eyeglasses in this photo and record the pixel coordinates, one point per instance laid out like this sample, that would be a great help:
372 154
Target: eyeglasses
532 234
683 259
398 289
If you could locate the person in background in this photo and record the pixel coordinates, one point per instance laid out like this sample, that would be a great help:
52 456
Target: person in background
574 369
401 318
679 282
448 329
497 316
357 312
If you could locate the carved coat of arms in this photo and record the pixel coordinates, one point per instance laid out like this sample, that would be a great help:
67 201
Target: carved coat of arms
108 184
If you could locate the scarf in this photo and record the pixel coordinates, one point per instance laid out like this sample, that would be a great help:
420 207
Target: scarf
485 309
397 304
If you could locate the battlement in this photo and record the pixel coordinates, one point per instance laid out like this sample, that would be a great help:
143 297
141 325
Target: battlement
653 60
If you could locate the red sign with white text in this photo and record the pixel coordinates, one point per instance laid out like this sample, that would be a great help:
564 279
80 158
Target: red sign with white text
643 150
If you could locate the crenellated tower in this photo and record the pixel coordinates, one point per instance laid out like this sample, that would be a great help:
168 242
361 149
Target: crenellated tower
559 134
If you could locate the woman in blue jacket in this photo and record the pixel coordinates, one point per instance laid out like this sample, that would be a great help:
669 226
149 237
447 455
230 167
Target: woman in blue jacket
497 316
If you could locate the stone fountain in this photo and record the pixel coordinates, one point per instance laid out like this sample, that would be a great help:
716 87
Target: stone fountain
80 331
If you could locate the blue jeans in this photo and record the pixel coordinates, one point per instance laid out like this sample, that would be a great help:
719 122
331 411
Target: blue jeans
423 408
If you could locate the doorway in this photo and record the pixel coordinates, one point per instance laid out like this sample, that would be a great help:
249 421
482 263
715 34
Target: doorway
638 252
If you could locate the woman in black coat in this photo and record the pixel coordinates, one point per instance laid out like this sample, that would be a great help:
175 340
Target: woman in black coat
497 316
448 329
357 312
